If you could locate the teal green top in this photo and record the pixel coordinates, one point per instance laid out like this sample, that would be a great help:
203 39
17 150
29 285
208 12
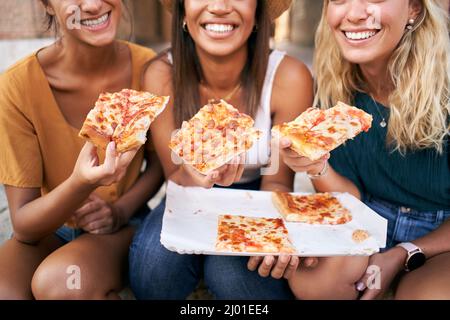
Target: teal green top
419 180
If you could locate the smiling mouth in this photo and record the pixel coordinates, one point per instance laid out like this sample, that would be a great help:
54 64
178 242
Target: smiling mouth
358 36
219 28
94 23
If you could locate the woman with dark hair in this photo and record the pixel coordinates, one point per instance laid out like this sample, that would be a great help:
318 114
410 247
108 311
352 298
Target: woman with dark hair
70 215
220 50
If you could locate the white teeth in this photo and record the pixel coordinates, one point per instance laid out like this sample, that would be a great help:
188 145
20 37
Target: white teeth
219 28
95 22
360 35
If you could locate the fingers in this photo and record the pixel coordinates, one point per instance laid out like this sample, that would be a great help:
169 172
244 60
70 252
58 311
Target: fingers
84 222
105 223
254 262
285 143
292 267
90 207
280 267
110 158
126 158
229 176
310 262
361 286
233 172
241 168
304 165
266 266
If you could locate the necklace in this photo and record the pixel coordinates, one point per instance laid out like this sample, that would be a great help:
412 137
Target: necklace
227 97
383 122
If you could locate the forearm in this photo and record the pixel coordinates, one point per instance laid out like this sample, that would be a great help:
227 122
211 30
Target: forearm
270 183
334 182
436 242
44 215
142 191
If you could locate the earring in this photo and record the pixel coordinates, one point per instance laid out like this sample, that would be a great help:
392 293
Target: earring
411 24
185 26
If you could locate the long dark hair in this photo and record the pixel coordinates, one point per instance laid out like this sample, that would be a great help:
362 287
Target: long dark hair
187 72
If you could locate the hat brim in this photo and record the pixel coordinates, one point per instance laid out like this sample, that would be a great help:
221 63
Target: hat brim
275 8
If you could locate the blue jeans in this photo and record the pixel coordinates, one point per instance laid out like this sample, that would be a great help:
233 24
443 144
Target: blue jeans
157 273
405 224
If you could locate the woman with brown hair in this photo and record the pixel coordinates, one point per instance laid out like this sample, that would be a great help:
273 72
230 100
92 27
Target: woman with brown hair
72 218
220 50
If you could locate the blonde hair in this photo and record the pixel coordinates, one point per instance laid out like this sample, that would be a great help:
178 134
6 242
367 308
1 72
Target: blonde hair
419 68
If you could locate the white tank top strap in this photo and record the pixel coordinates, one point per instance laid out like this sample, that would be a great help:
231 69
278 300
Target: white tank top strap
258 156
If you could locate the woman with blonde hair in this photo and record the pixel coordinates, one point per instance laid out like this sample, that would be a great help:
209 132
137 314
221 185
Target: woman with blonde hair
391 59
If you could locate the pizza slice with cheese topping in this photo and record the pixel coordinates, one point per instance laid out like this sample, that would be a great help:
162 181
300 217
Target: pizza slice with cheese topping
214 136
123 117
316 132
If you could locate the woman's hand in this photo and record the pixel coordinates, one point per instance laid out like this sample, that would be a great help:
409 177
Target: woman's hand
97 216
382 269
225 176
87 170
298 163
279 267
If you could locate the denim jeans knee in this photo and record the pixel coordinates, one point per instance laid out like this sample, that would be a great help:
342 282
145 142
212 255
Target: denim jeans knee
155 272
228 278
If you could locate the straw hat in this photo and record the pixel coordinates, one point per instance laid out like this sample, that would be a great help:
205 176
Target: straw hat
274 7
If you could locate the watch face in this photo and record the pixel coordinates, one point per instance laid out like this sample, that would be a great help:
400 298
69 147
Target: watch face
416 260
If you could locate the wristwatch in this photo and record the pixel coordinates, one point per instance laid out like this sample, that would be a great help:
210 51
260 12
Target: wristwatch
416 258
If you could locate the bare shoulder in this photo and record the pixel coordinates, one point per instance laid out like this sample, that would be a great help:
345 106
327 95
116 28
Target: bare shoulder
293 87
158 76
292 73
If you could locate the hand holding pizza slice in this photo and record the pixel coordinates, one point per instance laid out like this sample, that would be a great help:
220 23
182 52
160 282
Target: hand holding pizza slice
317 132
123 117
217 134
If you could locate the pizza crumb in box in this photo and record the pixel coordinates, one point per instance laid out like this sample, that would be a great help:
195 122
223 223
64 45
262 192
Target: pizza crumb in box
360 235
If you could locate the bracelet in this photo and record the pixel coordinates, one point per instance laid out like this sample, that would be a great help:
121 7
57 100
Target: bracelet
320 174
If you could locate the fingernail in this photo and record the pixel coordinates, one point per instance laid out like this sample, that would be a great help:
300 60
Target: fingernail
360 286
284 259
269 261
215 175
293 261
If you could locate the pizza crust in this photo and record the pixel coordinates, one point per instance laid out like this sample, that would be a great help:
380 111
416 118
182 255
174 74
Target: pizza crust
317 132
90 134
213 137
123 117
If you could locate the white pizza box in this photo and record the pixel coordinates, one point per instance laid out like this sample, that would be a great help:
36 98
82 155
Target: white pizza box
191 218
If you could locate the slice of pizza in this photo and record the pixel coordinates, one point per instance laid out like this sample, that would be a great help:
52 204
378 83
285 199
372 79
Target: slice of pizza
123 117
316 132
319 208
252 235
214 136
